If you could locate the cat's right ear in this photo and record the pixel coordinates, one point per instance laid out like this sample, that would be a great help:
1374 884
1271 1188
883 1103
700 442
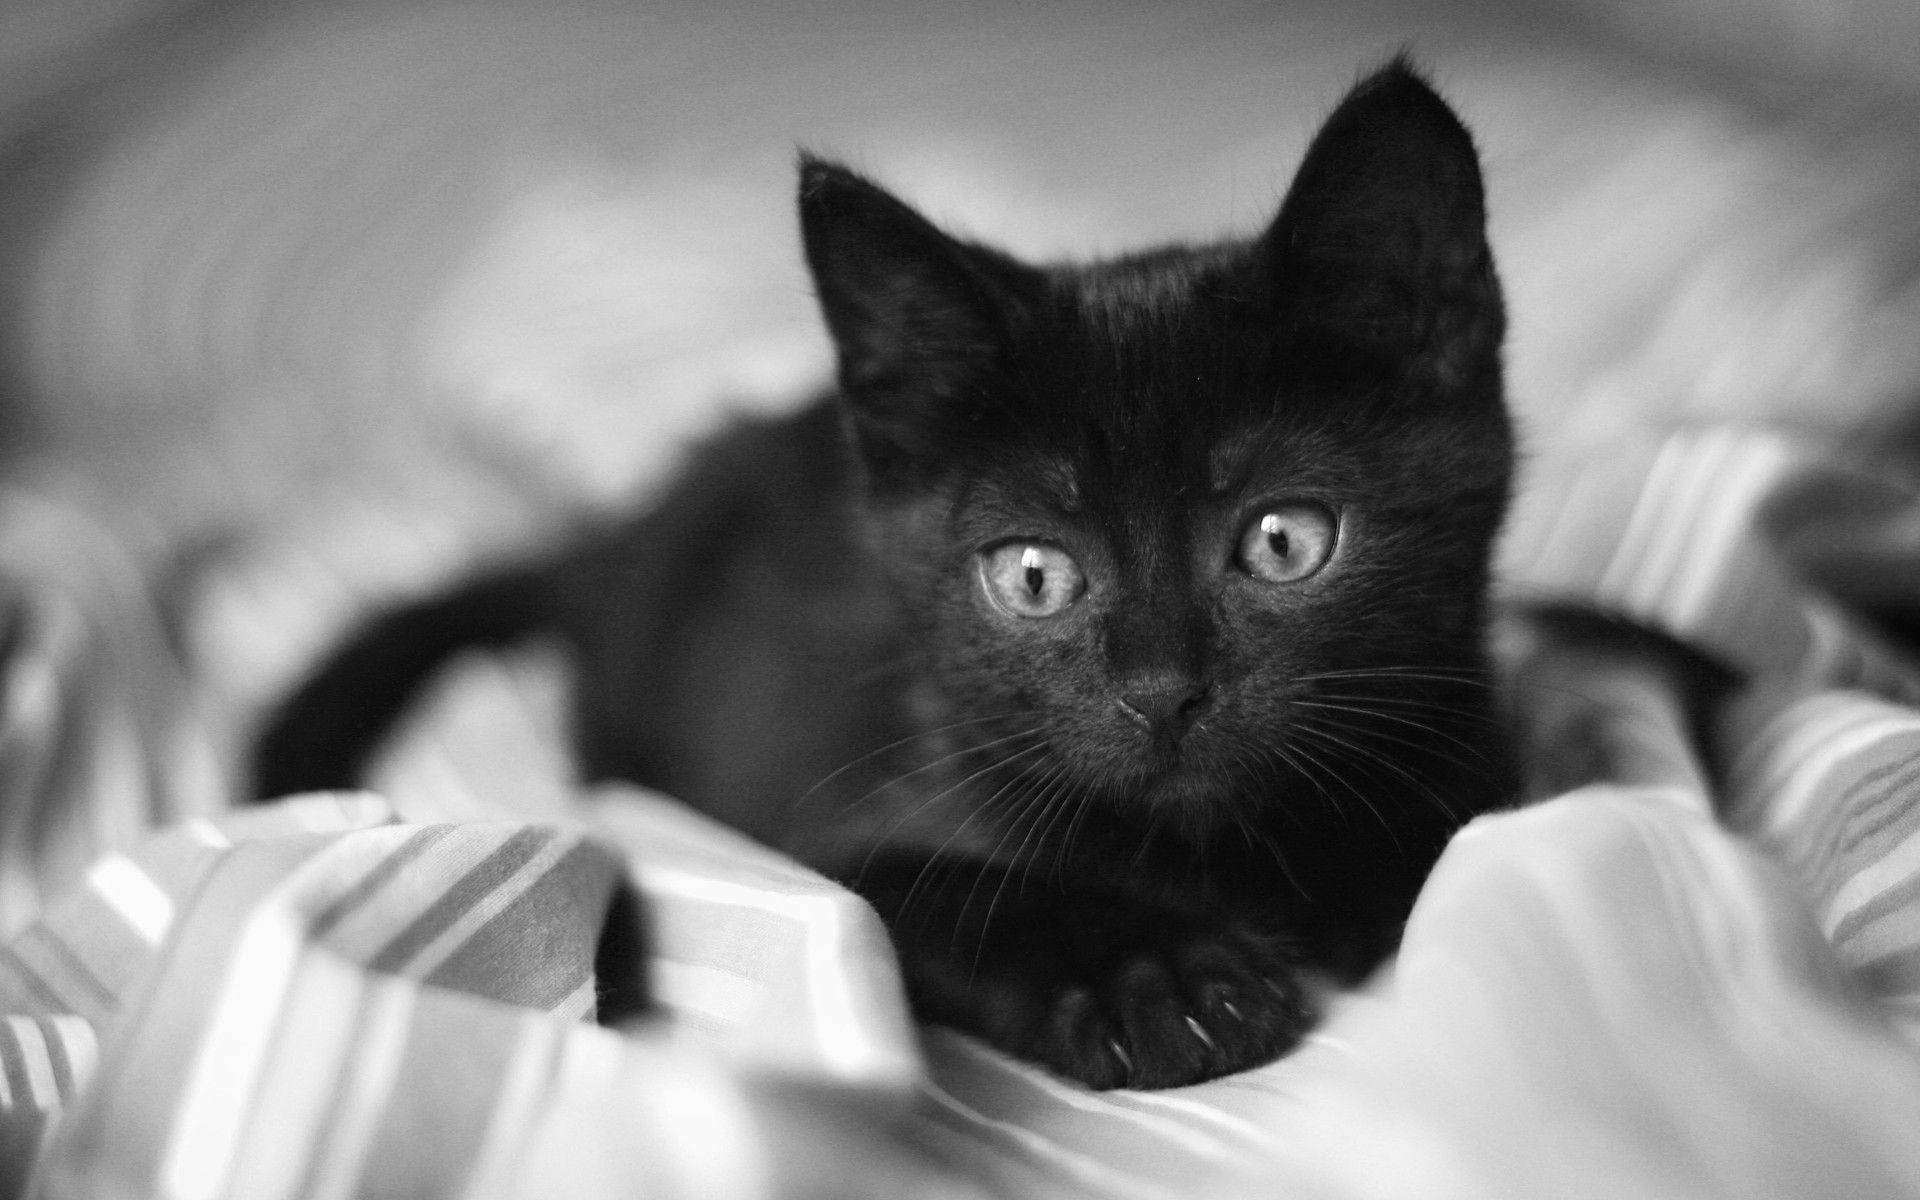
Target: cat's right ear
1381 244
917 316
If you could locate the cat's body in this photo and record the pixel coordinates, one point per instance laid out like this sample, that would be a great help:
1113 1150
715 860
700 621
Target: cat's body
1118 629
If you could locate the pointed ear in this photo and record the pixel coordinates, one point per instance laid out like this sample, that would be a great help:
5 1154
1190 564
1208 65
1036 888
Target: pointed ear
917 316
1381 243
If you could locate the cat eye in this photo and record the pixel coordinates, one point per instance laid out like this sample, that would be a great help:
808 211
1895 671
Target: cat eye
1287 543
1031 579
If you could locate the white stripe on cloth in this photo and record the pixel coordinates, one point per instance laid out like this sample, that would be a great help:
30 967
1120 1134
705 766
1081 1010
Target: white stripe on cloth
1722 526
314 1037
1694 511
205 832
725 998
380 1039
1783 777
1630 577
81 1045
36 1063
448 941
1892 869
365 930
133 894
844 1044
1891 935
606 1123
579 1004
523 1091
246 1010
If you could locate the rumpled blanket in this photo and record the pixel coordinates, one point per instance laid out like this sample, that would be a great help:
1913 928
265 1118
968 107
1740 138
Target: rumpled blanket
1699 977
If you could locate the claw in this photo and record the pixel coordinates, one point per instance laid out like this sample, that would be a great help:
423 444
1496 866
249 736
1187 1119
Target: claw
1231 1010
1120 1052
1200 1031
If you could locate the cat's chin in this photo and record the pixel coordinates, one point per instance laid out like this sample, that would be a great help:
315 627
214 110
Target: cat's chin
1193 797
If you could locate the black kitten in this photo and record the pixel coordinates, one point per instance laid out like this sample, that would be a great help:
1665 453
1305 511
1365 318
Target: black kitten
1117 630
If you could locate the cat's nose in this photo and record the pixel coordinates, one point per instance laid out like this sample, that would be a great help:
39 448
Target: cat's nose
1172 704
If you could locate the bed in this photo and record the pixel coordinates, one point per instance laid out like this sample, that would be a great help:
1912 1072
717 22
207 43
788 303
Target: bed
308 309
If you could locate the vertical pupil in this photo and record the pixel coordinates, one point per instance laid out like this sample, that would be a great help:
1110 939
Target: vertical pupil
1035 575
1277 539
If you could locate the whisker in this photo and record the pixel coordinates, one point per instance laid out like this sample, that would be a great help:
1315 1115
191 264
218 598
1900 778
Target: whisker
1474 678
1082 804
926 881
1253 835
1034 802
880 842
937 763
1421 726
1277 768
1054 790
1358 794
1475 715
1367 754
1155 821
954 788
1018 820
1275 763
911 738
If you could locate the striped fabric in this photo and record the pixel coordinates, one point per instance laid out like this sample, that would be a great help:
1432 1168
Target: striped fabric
1830 783
1676 531
1652 986
100 737
334 1003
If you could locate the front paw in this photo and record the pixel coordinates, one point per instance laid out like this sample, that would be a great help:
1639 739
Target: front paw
1163 1001
1166 1016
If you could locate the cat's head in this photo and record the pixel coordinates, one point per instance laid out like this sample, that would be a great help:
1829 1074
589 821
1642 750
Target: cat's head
1213 521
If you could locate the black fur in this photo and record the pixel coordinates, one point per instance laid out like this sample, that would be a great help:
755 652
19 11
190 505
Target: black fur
1109 838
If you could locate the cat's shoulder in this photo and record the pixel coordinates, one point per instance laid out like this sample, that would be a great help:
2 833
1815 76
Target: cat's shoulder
796 456
767 488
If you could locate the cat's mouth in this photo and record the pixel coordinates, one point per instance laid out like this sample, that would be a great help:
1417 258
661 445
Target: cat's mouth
1187 790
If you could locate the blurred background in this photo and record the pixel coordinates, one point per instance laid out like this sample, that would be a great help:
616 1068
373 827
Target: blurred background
303 304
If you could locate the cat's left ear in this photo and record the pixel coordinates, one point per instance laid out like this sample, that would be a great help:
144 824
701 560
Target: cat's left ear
1381 243
918 316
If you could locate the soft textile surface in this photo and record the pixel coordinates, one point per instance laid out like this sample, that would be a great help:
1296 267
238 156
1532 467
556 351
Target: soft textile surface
1608 993
307 305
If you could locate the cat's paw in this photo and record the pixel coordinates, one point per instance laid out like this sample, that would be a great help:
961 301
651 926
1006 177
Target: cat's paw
1175 1015
1175 1002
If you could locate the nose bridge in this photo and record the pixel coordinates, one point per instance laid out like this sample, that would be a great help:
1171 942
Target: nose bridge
1156 631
